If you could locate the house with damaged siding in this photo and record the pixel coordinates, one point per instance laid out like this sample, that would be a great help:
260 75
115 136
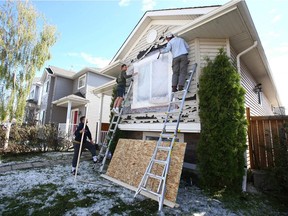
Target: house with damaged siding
206 30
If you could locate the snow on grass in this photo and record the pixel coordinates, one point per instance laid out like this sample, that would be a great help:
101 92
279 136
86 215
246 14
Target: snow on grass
54 191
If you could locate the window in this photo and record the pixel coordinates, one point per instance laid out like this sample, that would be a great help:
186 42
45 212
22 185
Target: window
46 86
42 116
82 81
31 96
153 83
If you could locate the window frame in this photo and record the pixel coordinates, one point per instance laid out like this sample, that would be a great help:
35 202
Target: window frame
83 77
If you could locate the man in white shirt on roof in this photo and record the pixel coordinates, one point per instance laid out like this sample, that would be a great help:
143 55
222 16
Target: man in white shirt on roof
179 49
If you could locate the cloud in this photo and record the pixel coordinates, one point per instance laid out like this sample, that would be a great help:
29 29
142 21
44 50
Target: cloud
124 3
273 34
282 49
148 4
96 61
276 18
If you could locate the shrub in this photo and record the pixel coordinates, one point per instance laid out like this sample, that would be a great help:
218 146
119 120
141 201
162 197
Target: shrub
223 125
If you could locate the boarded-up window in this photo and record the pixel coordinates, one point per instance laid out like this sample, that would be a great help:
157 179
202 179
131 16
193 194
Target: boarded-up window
153 84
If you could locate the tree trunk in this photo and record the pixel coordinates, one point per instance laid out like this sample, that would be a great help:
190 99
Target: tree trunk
7 134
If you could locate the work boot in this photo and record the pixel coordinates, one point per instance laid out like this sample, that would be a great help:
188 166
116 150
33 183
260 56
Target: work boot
73 172
180 88
174 88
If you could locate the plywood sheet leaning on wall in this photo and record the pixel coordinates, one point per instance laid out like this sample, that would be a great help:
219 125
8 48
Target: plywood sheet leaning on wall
131 158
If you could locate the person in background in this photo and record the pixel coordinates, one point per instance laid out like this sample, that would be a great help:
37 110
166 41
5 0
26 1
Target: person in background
179 49
121 86
87 143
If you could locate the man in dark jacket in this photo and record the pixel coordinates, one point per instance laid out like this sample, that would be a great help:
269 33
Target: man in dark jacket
86 144
121 85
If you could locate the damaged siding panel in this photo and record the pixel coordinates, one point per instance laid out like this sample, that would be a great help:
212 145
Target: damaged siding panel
142 43
157 114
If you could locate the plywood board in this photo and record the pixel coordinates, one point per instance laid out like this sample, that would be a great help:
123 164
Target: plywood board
151 196
131 158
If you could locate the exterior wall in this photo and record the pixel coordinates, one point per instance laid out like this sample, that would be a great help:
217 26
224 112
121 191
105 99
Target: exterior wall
50 99
200 49
63 87
75 86
251 98
58 115
95 80
142 43
93 110
46 100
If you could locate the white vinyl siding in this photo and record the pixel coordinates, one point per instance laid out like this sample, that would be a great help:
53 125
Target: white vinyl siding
251 97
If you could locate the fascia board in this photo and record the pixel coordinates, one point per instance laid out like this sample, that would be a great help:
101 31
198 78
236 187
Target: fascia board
156 127
152 15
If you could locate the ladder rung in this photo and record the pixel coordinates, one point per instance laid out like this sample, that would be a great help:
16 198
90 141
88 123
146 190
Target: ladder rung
160 161
174 111
155 176
164 148
167 135
103 154
149 191
179 92
176 102
171 123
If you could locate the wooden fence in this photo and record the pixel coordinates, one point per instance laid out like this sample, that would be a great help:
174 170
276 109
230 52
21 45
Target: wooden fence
267 140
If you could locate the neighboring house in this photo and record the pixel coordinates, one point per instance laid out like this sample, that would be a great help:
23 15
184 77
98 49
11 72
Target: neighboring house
66 96
33 102
206 30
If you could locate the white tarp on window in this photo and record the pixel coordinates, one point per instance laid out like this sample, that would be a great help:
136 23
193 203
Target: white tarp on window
152 86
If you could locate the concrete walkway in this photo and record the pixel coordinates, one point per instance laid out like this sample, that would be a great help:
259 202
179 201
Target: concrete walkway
62 160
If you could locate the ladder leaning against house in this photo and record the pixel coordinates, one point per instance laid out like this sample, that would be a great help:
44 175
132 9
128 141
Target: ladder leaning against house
104 150
163 164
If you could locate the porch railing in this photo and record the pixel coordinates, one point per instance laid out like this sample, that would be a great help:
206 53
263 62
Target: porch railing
72 128
62 132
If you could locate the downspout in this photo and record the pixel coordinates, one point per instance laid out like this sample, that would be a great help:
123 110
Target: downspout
243 52
244 182
100 119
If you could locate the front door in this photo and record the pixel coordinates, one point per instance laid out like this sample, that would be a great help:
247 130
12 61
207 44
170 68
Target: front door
74 119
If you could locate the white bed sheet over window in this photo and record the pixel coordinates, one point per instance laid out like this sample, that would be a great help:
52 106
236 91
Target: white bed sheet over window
152 86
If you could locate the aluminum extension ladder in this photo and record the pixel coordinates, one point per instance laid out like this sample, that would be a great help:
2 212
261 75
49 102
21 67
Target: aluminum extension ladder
104 151
165 137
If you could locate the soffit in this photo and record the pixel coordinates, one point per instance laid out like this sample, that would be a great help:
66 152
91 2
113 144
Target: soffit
75 101
237 26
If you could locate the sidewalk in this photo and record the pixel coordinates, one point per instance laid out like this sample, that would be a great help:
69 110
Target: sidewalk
45 161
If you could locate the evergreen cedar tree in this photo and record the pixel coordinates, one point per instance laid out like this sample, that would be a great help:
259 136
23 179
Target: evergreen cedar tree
222 144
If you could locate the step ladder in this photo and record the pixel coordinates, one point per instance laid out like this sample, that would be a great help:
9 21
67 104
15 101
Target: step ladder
175 107
104 150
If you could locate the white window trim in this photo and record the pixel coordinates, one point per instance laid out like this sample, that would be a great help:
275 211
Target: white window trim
32 94
80 78
46 87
